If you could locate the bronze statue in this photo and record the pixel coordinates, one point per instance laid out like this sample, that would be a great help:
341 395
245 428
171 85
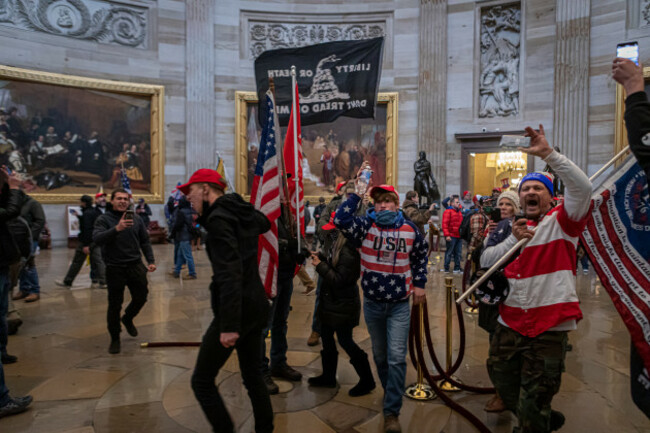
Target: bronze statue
424 183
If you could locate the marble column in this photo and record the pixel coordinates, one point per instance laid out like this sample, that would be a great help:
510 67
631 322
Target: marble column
432 98
571 81
200 111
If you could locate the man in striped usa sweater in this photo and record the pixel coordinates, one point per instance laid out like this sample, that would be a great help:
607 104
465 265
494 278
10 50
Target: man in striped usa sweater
529 345
393 266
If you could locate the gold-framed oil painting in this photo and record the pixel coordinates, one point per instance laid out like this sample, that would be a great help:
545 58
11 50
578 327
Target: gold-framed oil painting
333 151
67 135
620 133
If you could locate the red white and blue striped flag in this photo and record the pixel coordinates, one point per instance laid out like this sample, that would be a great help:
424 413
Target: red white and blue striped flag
126 185
617 239
265 196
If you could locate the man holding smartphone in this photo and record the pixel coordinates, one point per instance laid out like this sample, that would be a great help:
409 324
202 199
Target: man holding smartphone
528 349
123 238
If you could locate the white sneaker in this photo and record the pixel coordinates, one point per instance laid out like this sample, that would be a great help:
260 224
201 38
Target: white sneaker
585 271
457 271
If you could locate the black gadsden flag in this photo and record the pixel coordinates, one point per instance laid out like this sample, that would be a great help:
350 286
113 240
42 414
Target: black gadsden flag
334 79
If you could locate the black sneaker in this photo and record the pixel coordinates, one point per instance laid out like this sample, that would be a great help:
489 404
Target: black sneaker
13 325
271 386
130 327
114 347
15 405
9 359
286 372
63 284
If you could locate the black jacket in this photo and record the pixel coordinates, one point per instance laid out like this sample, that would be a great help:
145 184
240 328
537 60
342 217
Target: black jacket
637 122
87 224
182 221
9 208
339 304
239 302
32 211
122 248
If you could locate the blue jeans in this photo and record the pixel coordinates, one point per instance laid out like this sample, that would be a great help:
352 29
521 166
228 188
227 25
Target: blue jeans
29 276
454 247
388 326
184 255
278 325
4 305
584 261
315 323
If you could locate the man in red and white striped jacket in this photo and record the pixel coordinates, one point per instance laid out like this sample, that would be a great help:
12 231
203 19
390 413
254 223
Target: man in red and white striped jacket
528 348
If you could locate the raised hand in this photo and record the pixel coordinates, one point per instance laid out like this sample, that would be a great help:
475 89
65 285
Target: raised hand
538 144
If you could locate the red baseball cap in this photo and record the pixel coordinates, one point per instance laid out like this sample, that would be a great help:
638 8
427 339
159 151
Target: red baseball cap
100 194
383 188
341 185
330 225
203 175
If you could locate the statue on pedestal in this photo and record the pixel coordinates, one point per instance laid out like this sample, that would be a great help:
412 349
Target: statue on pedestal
424 183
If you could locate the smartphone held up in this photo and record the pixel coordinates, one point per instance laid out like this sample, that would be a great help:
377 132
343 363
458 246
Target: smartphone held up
628 50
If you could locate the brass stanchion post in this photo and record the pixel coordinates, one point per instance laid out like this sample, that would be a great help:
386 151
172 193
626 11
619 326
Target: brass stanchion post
420 390
472 310
449 284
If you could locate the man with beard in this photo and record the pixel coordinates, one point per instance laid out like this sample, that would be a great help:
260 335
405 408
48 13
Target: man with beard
528 349
100 202
238 299
122 236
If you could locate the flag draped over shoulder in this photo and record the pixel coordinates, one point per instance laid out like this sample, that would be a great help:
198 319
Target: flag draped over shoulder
335 79
290 154
265 196
617 239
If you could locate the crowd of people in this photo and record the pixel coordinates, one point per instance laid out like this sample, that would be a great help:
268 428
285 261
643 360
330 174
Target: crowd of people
369 253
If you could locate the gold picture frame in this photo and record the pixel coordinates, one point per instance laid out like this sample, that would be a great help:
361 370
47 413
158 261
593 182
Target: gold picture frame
148 97
243 100
620 133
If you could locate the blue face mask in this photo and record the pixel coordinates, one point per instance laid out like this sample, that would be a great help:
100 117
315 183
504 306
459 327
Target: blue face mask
386 217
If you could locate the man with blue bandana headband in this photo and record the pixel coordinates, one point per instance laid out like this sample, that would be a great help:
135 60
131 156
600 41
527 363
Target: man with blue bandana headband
394 266
528 348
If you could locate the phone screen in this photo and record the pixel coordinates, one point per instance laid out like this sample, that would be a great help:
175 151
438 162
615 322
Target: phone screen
495 215
129 214
628 50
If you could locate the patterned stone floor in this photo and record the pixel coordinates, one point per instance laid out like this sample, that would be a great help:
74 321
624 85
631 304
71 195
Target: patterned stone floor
78 387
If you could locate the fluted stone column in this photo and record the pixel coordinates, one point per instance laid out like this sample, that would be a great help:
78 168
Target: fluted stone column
200 109
432 98
571 81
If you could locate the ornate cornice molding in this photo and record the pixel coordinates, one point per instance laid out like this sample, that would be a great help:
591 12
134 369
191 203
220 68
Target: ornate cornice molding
91 20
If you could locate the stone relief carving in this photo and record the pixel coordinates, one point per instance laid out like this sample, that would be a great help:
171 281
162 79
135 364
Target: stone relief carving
92 20
500 52
268 36
645 13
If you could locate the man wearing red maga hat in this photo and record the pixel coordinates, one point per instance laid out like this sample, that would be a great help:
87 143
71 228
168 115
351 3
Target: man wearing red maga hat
393 267
237 295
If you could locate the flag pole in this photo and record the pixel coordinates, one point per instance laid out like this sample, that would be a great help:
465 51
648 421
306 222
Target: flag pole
522 242
286 209
295 151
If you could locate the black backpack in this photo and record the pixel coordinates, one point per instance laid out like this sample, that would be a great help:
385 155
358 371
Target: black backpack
20 234
465 230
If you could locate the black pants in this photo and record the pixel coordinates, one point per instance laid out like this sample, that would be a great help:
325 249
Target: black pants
134 276
97 267
344 336
639 382
212 356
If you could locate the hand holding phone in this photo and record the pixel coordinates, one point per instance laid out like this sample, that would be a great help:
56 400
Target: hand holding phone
495 215
514 141
628 50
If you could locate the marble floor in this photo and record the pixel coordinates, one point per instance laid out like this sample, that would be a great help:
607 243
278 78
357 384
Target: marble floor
78 387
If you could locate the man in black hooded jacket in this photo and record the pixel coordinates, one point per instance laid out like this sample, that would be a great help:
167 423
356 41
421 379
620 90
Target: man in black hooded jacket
122 237
238 300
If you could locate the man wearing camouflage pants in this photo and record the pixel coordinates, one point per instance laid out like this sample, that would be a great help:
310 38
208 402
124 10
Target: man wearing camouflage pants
529 345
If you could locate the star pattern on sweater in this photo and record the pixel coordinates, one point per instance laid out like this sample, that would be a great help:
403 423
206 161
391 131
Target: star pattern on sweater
374 279
346 209
381 289
392 282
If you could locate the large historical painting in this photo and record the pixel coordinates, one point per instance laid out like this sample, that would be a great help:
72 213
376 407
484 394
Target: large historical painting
500 49
333 151
67 136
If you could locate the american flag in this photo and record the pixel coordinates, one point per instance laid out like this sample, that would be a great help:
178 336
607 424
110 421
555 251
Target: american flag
289 165
126 185
617 239
265 196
